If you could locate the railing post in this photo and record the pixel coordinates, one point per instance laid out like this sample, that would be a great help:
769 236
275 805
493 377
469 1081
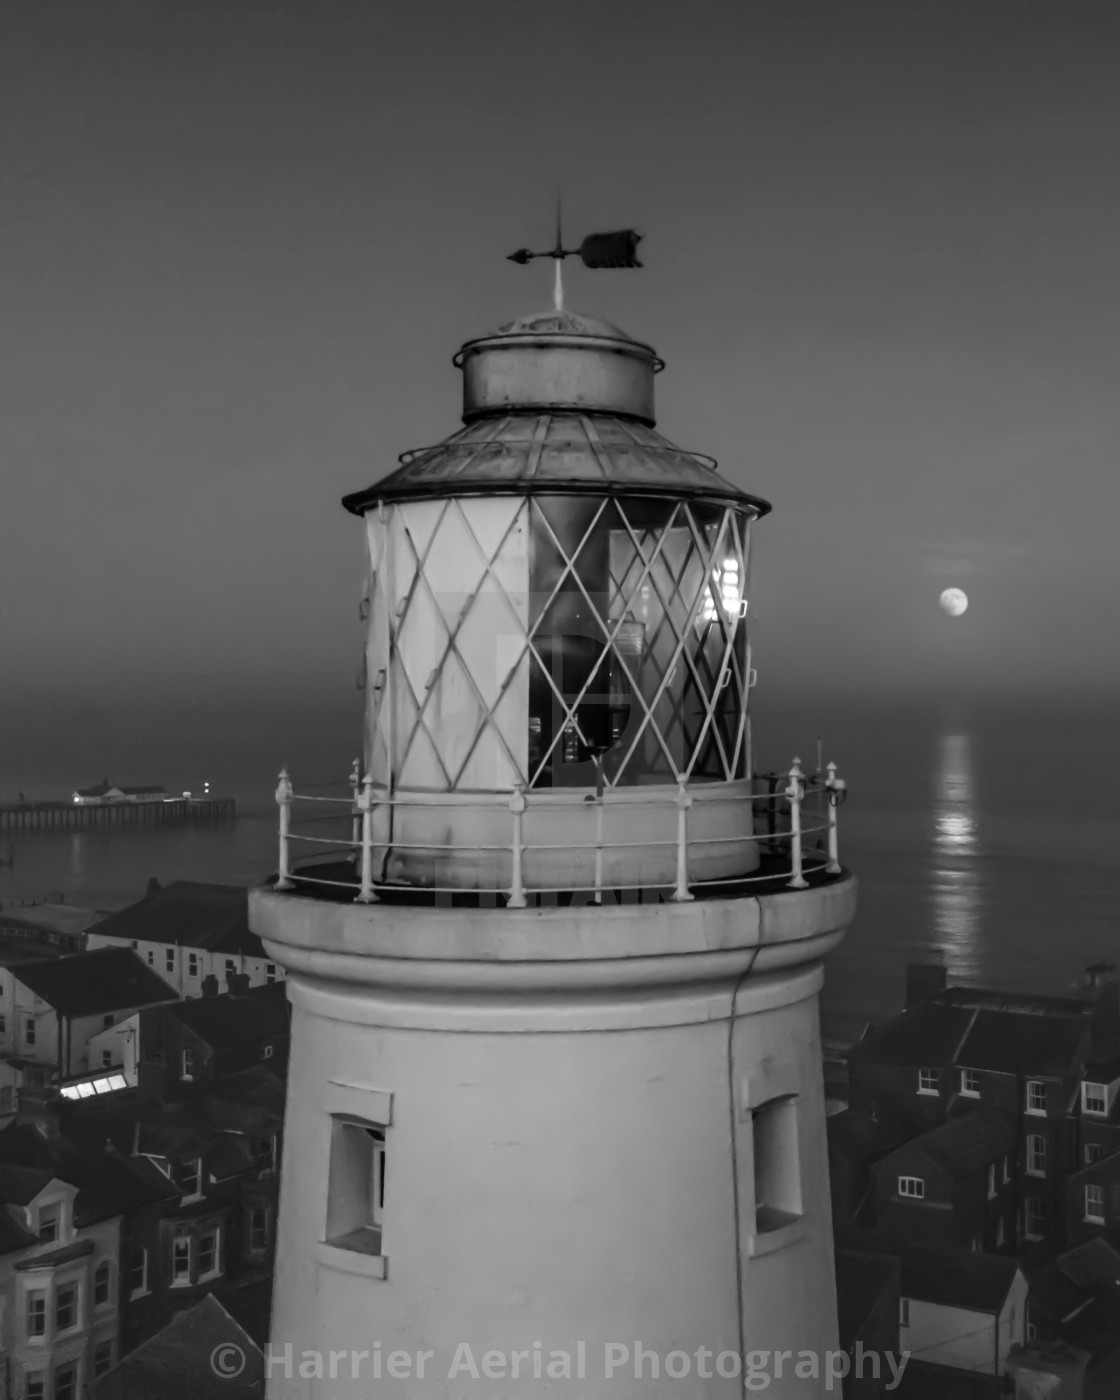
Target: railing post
284 802
599 848
367 894
356 823
836 788
682 894
795 792
516 898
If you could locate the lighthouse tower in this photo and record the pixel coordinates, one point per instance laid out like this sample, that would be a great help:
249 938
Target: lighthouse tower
555 1120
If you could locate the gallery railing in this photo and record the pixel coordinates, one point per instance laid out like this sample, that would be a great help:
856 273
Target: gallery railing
794 829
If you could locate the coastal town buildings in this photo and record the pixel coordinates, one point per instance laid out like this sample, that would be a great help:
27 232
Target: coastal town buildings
188 931
105 792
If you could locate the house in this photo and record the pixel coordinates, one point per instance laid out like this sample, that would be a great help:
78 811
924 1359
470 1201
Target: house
952 1187
57 1006
60 1234
957 1050
1073 1327
961 1311
187 931
206 1039
177 1362
867 1299
857 1139
105 792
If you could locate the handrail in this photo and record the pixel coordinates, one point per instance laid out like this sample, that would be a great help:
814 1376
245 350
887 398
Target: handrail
802 796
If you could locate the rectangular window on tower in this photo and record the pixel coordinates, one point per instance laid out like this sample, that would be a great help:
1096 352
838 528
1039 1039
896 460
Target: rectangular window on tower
777 1176
356 1189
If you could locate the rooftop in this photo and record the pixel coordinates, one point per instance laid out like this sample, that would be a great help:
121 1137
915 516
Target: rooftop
966 1143
973 1282
189 914
87 984
225 1022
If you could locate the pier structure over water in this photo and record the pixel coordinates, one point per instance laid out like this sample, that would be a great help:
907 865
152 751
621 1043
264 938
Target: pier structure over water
74 816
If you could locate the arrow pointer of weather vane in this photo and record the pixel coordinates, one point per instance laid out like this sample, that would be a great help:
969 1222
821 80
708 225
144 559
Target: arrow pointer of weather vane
618 249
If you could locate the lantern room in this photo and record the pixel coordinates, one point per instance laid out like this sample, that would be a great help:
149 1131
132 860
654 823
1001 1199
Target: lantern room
558 608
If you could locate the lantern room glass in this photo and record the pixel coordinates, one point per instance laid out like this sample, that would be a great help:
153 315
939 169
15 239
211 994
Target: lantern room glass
637 640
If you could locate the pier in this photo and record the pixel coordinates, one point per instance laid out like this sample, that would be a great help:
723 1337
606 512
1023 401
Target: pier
77 816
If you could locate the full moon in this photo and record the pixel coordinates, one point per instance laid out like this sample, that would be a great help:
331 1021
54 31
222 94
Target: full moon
954 601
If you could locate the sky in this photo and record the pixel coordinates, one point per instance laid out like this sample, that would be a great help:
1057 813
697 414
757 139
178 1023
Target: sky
240 241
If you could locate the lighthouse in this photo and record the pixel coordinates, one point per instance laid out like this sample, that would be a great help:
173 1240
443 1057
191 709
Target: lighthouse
555 1120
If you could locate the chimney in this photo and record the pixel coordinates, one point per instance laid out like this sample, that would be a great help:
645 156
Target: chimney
209 985
924 980
238 983
154 887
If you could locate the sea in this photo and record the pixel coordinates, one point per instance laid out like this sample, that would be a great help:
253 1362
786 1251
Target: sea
984 835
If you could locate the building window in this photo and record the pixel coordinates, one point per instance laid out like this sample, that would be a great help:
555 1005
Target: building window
1036 1154
356 1189
777 1175
1001 1232
970 1083
1036 1096
180 1261
29 1031
913 1187
231 967
35 1385
66 1307
66 1381
49 1223
138 1273
209 1254
102 1283
270 972
1094 1151
36 1313
191 1180
991 1181
103 1357
904 1312
267 1052
1094 1098
929 1081
258 1229
186 1070
1007 1169
266 1153
1034 1218
151 957
1094 1204
192 964
3 1025
107 1021
106 1059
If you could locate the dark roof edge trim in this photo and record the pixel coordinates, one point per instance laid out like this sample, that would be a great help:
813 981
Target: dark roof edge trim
358 502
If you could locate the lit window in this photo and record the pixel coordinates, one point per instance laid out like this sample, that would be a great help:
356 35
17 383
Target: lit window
36 1313
1094 1151
929 1081
49 1222
970 1083
777 1176
1094 1204
181 1260
102 1282
913 1187
138 1273
102 1358
356 1192
66 1307
1094 1098
187 1069
66 1381
727 585
1036 1096
1034 1218
1036 1154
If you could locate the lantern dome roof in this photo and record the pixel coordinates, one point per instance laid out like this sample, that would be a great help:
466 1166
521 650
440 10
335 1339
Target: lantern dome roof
556 403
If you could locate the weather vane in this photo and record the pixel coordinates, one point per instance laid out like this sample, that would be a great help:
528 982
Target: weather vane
597 250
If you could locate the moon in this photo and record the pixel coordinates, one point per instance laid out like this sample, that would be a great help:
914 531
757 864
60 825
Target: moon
954 601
